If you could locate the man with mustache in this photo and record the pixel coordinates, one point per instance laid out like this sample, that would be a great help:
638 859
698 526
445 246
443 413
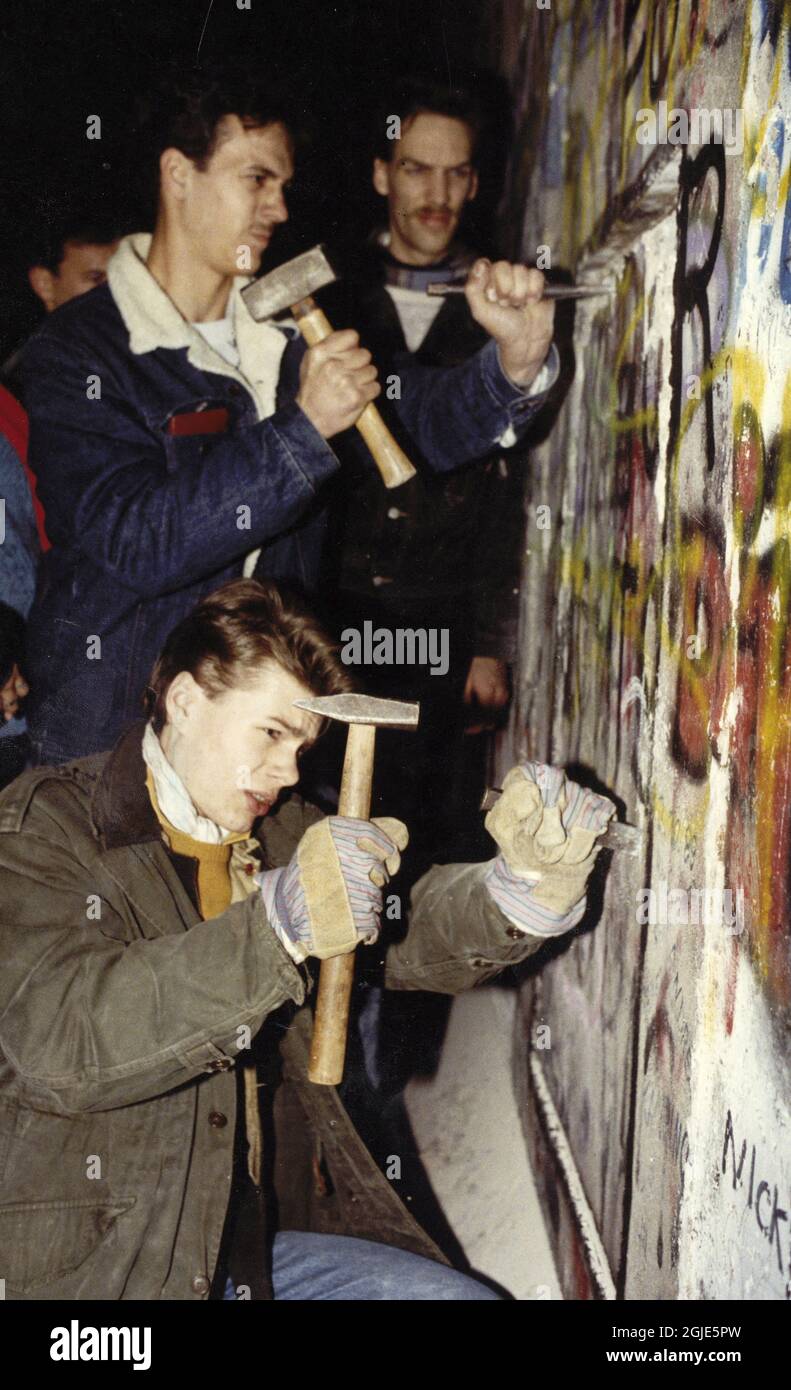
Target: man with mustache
443 551
175 440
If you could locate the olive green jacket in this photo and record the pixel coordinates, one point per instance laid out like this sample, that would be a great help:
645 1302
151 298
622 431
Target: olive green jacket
122 1015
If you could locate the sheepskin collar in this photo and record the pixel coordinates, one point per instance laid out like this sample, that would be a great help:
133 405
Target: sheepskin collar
153 321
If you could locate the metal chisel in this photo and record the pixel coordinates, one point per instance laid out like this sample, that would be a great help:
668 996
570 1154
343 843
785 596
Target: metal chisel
618 834
551 292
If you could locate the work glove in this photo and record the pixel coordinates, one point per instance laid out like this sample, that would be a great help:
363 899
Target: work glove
546 827
329 897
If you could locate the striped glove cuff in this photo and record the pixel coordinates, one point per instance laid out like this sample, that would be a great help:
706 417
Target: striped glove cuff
276 894
515 898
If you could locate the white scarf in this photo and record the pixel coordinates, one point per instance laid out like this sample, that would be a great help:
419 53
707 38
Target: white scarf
174 800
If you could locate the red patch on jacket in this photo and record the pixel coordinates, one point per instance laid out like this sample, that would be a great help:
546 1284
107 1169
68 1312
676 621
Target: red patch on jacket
199 422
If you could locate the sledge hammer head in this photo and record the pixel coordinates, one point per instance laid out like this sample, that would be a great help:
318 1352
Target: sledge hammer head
288 284
363 709
292 286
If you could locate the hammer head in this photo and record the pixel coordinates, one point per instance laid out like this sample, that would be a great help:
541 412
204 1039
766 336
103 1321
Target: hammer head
363 709
289 283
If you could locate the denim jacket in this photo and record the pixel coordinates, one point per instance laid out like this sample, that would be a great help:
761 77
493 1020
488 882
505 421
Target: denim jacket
18 554
161 467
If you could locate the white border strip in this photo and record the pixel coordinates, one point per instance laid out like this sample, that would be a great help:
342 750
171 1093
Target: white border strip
597 1255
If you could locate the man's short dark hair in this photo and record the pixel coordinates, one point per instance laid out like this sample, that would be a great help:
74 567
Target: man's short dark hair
417 95
231 634
187 109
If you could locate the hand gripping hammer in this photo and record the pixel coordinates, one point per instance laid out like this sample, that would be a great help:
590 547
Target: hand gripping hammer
291 286
364 714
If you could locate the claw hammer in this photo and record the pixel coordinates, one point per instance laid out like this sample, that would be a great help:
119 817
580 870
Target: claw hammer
292 286
364 714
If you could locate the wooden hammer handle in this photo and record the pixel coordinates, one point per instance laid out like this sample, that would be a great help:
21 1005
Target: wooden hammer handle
388 456
328 1047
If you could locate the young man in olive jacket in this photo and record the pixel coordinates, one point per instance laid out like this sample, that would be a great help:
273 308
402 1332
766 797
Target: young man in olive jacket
155 955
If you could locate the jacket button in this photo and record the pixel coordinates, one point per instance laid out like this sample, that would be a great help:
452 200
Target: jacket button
200 1284
217 1120
220 1064
514 933
477 962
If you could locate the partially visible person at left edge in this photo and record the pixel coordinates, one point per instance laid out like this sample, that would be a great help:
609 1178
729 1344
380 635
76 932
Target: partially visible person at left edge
173 438
14 425
18 559
68 252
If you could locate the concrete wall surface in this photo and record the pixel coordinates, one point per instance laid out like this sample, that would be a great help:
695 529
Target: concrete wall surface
653 153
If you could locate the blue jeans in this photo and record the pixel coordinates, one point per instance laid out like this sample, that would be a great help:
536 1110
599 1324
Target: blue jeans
314 1268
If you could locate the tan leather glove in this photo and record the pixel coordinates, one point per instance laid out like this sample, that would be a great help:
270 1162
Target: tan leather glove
546 827
329 897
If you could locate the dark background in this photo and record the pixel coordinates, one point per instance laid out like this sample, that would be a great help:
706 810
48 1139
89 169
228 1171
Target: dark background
64 60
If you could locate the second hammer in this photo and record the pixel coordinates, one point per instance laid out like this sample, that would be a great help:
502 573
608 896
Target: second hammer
291 286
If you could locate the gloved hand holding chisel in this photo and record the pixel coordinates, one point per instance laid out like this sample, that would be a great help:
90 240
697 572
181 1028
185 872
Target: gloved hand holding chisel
546 827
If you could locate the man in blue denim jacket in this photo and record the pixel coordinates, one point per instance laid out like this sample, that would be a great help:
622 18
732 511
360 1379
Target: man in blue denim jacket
178 444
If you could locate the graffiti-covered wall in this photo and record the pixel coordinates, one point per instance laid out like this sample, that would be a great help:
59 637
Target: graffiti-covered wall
653 155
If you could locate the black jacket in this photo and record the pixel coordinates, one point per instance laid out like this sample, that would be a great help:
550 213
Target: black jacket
442 543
